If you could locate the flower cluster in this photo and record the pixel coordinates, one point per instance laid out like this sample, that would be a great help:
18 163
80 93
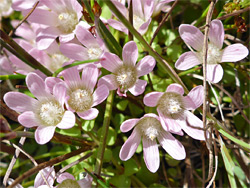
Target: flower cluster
56 36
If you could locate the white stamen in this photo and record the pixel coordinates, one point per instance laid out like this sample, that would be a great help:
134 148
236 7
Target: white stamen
57 60
149 127
214 54
50 113
67 21
171 104
80 100
94 53
126 77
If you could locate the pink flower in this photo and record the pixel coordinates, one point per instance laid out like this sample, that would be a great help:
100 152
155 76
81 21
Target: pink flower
81 97
47 112
47 173
126 73
142 11
160 5
193 36
68 180
91 48
149 128
5 65
173 108
61 18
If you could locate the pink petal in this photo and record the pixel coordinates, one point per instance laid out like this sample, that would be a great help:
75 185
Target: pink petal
109 81
187 61
171 145
19 101
121 8
176 88
46 37
74 51
138 88
195 122
214 73
137 9
151 99
117 25
44 134
234 52
28 119
85 37
148 8
216 33
20 5
77 8
89 76
100 94
68 120
145 66
37 87
151 154
192 36
48 173
25 31
173 125
55 6
89 114
111 62
144 27
71 77
194 99
130 53
63 38
131 144
42 16
128 124
59 92
86 182
50 82
64 176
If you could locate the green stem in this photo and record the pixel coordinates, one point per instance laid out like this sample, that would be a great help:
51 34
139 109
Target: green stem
151 52
12 76
74 64
22 54
104 134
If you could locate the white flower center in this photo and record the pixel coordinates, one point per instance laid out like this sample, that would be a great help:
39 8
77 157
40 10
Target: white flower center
57 61
137 22
5 6
94 53
171 104
67 21
149 127
213 54
69 183
50 113
80 100
126 77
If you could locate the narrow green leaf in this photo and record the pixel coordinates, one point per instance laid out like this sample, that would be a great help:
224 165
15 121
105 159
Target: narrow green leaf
88 7
108 38
229 164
